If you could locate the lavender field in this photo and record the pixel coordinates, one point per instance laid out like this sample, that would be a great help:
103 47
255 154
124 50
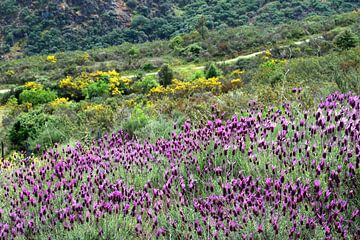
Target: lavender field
279 173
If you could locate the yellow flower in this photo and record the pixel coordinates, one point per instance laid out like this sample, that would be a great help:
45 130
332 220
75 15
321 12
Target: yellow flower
180 85
59 102
33 85
67 83
158 90
237 72
236 81
51 58
95 107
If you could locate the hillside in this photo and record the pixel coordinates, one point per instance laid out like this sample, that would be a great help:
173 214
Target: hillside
153 119
32 27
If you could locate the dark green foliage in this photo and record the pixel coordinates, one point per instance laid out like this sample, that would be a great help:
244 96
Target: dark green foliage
345 40
36 97
201 27
225 43
166 75
53 26
212 71
27 126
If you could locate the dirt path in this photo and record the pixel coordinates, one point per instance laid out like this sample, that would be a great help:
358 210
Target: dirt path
2 91
234 60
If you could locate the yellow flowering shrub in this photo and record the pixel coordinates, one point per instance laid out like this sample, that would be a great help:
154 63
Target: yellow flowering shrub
59 102
95 108
267 54
210 83
51 58
33 85
182 87
158 90
117 84
178 86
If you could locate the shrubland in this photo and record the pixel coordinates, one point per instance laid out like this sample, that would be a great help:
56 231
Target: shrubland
257 147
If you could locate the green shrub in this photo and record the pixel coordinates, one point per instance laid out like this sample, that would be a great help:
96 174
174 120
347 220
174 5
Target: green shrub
345 40
37 96
176 42
212 71
96 89
148 67
137 120
27 126
144 86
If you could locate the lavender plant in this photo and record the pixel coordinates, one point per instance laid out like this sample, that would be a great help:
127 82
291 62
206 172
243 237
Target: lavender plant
269 174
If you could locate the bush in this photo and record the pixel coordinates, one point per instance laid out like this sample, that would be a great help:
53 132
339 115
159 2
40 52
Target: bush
37 96
345 40
96 89
176 42
144 86
27 126
137 120
148 67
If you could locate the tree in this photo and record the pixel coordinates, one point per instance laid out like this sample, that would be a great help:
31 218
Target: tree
201 27
345 40
212 71
166 75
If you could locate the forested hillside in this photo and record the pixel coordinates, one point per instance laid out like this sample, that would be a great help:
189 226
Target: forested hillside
32 27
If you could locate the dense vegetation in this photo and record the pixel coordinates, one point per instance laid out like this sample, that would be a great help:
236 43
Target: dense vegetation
31 27
275 173
149 57
249 132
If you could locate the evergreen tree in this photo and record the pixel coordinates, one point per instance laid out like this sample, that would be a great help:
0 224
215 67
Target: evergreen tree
166 75
345 40
212 71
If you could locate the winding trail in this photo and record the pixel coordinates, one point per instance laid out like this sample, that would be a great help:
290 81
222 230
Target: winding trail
234 60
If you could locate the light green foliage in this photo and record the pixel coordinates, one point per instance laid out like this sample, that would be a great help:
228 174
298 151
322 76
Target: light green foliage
137 120
176 42
96 89
37 96
144 85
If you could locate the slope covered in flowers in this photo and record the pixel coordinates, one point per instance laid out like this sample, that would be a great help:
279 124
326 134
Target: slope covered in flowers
277 173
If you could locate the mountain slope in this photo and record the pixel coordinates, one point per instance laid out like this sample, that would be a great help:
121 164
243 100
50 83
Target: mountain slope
32 27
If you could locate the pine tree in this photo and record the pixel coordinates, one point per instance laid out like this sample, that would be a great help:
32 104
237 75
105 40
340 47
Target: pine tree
166 75
212 71
345 40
